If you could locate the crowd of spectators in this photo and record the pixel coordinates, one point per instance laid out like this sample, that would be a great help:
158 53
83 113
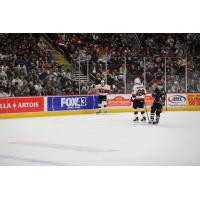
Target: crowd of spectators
176 51
28 67
104 53
110 56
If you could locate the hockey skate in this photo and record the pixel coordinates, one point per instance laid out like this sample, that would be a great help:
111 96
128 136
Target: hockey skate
157 121
98 112
151 121
143 119
136 119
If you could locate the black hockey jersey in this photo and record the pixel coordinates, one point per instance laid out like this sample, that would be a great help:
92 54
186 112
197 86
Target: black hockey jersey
159 95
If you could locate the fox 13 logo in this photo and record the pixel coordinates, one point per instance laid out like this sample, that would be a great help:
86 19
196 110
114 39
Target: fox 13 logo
73 102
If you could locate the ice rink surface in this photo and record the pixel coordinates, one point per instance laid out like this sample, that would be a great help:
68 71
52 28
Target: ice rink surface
105 139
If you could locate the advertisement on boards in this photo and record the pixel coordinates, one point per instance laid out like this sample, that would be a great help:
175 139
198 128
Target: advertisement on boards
115 100
124 100
56 103
21 104
176 100
193 99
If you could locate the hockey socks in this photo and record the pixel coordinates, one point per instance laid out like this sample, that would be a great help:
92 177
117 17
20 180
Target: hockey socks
151 118
143 116
136 116
105 109
157 119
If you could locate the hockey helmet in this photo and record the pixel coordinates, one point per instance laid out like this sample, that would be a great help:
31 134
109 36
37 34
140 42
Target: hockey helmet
160 85
102 82
137 81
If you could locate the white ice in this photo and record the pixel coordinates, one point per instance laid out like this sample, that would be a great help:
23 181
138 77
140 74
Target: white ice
105 139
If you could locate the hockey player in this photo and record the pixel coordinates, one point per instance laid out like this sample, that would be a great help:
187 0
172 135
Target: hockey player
102 90
138 94
159 101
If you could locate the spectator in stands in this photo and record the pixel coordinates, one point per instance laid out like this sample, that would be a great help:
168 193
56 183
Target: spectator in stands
3 94
3 74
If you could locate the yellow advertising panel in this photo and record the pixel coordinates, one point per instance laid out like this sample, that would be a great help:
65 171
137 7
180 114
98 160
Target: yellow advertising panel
193 100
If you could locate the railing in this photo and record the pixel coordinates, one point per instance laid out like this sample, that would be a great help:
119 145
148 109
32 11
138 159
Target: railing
137 40
52 43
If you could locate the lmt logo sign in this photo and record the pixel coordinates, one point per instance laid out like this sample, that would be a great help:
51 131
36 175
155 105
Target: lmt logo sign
177 99
73 101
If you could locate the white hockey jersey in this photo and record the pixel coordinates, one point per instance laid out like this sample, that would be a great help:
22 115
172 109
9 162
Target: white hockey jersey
102 90
138 92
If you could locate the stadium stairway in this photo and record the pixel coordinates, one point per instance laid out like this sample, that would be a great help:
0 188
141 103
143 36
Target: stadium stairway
58 56
63 61
83 77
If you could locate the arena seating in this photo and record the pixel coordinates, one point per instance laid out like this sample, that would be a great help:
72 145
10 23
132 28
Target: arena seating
28 67
159 50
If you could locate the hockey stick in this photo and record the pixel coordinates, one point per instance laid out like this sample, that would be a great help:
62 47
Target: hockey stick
146 111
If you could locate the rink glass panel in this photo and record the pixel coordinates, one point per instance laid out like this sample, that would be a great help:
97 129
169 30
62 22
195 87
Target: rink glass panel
177 74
